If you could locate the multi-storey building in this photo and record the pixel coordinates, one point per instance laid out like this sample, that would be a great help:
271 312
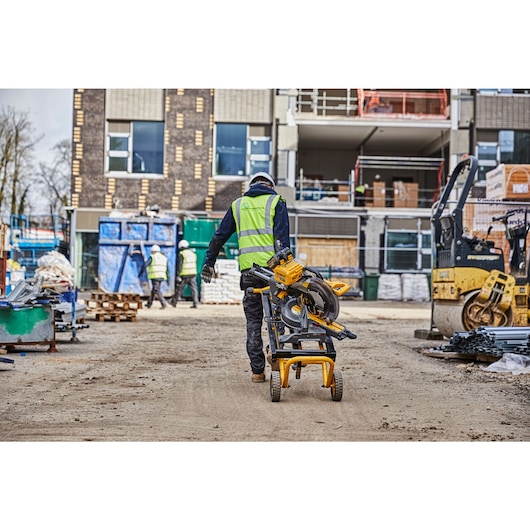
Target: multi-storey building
190 153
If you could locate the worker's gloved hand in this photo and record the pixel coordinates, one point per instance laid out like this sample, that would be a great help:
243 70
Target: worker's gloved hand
207 273
179 280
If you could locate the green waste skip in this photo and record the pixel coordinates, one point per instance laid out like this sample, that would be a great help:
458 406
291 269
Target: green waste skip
370 286
27 325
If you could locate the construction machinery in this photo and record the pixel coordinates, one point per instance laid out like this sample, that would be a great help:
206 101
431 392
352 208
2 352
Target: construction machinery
300 309
474 282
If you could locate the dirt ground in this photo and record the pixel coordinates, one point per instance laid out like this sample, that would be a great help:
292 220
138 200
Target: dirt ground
182 375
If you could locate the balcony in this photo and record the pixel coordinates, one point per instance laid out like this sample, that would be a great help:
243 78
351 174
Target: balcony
363 103
385 193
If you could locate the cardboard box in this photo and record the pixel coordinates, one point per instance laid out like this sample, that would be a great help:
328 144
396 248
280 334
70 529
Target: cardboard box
379 195
508 181
405 194
344 193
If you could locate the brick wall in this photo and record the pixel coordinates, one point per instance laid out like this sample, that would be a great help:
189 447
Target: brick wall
187 183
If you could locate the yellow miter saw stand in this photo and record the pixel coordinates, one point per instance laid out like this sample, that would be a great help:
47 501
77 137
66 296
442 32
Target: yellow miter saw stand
300 308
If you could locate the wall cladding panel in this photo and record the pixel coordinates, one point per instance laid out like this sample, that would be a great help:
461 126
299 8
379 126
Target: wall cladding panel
503 112
134 104
243 106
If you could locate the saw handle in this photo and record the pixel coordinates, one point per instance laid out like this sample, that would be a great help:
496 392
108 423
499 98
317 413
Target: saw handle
257 290
339 288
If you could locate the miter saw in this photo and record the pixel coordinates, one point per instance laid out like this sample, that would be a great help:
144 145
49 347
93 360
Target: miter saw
300 306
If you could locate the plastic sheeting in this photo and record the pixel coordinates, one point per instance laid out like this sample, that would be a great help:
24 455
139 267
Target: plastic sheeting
511 362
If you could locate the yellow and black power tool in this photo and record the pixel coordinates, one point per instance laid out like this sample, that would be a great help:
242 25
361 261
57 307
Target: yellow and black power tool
300 307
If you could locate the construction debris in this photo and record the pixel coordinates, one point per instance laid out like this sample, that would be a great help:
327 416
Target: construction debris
52 286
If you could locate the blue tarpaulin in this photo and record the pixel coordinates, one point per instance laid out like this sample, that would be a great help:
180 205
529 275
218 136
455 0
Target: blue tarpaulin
125 244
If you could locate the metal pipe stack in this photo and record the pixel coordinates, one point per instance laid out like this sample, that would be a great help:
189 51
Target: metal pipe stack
491 341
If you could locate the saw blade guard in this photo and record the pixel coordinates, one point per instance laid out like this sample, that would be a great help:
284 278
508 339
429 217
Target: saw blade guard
320 299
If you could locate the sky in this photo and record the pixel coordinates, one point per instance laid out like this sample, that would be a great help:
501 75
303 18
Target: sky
50 112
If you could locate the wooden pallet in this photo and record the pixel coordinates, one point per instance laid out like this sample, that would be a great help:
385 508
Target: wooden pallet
114 316
115 297
114 306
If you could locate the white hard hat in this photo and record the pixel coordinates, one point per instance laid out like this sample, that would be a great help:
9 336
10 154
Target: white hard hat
261 175
183 244
155 248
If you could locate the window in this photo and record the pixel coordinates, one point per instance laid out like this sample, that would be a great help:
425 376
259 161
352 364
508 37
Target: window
238 153
135 147
514 147
407 251
488 155
230 149
87 243
494 91
260 154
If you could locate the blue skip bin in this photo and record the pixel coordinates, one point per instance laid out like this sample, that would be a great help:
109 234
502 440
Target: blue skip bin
125 244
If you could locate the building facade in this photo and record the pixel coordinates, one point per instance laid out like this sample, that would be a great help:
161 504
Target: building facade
189 153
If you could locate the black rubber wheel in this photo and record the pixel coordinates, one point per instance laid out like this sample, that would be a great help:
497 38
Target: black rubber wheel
276 386
336 386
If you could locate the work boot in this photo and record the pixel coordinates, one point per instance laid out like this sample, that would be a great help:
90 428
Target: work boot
275 365
194 306
258 378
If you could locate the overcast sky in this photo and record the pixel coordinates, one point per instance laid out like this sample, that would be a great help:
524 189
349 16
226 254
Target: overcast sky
50 112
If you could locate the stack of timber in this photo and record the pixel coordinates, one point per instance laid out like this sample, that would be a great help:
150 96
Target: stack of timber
114 306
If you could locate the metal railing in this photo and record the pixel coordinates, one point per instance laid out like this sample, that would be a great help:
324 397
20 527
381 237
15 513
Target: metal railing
403 104
360 103
342 193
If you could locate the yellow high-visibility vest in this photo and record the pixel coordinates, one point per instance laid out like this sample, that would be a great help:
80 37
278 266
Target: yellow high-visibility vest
189 263
254 217
157 269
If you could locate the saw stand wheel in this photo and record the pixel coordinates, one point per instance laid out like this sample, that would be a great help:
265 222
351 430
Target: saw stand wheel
276 386
336 385
332 378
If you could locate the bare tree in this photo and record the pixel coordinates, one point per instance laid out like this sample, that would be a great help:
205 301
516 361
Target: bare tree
6 156
17 144
56 178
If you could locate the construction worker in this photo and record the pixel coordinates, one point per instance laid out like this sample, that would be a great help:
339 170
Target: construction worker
360 191
186 273
157 272
260 220
374 103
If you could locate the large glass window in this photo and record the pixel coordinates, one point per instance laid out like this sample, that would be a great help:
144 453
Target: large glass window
407 251
237 153
148 146
135 147
230 149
